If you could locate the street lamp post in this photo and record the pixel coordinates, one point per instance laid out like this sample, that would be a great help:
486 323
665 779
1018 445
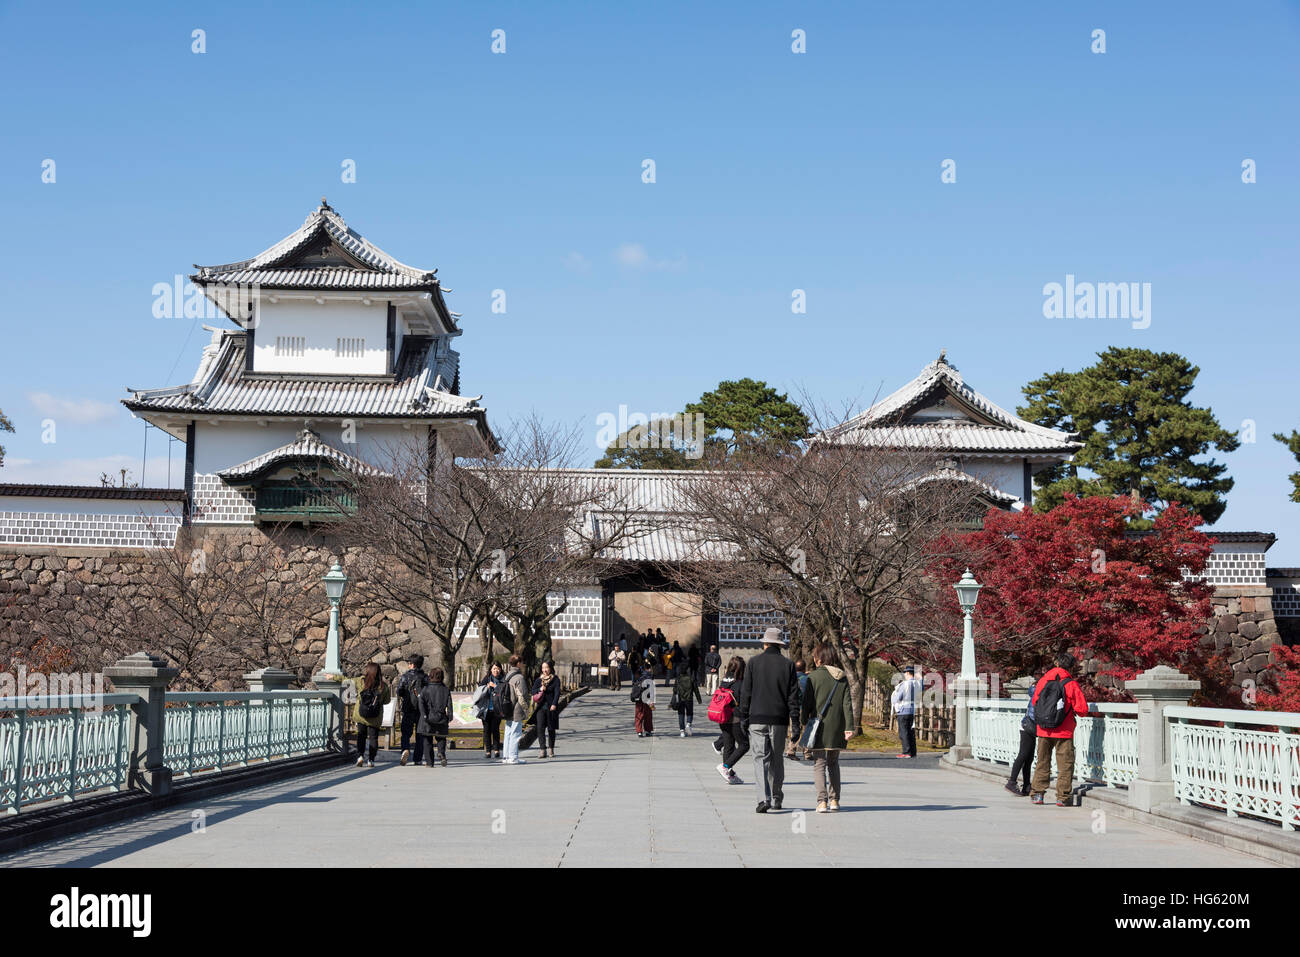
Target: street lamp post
330 677
967 684
336 583
968 592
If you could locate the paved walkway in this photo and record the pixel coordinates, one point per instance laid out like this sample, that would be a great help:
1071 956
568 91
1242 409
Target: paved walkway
614 799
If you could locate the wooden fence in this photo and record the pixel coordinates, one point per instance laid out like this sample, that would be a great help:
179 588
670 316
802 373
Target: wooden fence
934 725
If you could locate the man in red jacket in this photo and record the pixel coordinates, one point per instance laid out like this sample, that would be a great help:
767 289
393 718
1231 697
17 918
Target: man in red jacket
1058 736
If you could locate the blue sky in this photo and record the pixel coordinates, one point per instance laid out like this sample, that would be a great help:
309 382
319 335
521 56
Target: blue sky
775 171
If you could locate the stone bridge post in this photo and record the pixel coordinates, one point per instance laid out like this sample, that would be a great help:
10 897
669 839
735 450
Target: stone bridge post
147 676
1155 690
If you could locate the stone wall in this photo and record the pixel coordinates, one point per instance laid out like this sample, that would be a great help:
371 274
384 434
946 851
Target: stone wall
1243 628
44 587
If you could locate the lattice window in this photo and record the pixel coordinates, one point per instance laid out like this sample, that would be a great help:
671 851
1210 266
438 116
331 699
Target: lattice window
294 347
350 348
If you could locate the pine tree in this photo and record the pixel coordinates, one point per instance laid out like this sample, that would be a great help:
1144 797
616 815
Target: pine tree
738 415
1141 436
748 412
1292 442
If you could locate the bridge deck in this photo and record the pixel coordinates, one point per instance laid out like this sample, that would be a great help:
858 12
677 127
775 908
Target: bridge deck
614 799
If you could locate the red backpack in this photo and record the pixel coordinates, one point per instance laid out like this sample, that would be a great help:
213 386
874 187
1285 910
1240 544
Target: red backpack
722 706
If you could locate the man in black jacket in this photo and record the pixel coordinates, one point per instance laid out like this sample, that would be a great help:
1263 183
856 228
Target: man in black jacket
769 695
408 689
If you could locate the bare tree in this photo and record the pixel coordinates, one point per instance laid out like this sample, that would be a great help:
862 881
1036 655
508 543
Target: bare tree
480 544
839 537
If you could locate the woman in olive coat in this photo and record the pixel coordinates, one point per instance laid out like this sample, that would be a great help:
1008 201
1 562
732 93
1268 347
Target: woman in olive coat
827 689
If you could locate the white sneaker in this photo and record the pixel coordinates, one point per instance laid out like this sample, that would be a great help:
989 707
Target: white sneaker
406 756
714 745
688 729
726 775
361 762
370 764
681 734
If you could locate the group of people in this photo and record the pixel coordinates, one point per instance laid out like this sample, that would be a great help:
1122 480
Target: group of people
652 652
503 700
763 706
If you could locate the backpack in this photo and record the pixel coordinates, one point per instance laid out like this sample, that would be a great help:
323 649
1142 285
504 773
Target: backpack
722 706
505 700
370 702
635 696
410 686
1051 707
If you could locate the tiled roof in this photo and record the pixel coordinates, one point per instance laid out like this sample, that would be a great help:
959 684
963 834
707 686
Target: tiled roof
278 266
885 423
419 388
93 491
307 447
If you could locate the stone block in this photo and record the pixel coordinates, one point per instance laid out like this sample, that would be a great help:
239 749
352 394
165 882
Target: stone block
1248 629
1226 623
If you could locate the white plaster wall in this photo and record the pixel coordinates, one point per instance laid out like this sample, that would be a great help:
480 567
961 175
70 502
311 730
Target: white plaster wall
322 326
121 523
1005 476
220 446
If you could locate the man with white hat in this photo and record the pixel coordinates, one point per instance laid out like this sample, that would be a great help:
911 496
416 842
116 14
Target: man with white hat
768 696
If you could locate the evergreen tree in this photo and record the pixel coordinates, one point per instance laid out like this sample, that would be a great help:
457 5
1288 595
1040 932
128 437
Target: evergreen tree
745 413
1141 436
737 415
1292 442
653 446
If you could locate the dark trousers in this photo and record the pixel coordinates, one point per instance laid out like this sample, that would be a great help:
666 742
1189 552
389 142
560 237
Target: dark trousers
735 743
1024 758
365 731
906 735
685 713
491 731
427 746
548 722
615 677
409 721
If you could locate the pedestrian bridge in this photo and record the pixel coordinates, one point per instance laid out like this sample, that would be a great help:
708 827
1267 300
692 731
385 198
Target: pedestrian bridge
611 798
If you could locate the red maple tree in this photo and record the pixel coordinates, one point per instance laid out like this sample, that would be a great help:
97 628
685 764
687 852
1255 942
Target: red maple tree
1284 675
1077 578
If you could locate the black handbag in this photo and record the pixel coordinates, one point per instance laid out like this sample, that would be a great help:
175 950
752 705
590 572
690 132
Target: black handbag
812 727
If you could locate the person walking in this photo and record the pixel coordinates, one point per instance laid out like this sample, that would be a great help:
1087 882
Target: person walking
712 667
1057 699
408 689
491 715
792 748
903 701
644 697
616 658
546 697
513 701
768 696
372 696
1025 756
435 717
826 700
733 740
686 691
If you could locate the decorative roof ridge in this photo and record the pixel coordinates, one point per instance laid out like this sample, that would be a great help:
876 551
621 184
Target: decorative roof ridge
323 218
934 373
307 444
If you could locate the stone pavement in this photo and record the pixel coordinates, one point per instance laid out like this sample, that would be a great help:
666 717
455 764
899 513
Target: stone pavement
611 798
